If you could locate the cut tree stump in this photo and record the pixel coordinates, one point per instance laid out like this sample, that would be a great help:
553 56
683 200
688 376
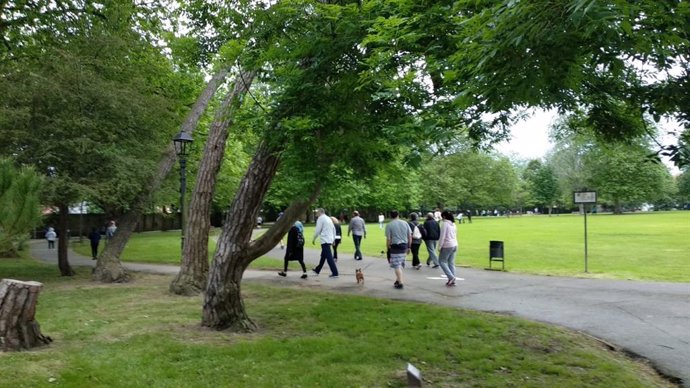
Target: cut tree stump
18 327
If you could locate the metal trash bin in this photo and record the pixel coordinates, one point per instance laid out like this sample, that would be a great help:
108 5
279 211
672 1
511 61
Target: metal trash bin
496 253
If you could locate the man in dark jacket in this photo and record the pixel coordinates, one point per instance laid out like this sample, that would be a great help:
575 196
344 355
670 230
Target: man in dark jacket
95 238
431 234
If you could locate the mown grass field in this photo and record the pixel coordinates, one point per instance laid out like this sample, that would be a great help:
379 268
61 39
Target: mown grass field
138 335
641 246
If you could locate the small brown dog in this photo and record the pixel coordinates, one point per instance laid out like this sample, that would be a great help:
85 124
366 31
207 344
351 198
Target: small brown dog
359 275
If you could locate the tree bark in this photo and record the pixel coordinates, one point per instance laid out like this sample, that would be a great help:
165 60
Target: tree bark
63 241
223 305
18 327
192 278
109 269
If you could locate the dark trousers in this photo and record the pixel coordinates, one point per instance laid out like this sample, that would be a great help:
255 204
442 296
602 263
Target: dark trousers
358 242
94 248
300 261
51 244
327 256
336 242
415 254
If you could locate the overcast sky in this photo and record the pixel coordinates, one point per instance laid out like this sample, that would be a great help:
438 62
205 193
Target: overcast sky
530 137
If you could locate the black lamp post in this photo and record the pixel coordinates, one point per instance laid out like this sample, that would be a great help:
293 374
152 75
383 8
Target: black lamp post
182 142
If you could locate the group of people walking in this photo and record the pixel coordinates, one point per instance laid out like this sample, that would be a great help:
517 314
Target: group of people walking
402 237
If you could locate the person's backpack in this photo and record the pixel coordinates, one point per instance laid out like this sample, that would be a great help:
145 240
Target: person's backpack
422 231
416 234
300 239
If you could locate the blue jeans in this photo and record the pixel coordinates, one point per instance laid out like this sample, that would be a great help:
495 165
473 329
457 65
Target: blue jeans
326 256
447 261
431 248
358 242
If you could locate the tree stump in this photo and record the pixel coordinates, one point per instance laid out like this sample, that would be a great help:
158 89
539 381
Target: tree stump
18 328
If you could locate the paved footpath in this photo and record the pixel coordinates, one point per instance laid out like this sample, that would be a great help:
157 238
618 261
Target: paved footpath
650 319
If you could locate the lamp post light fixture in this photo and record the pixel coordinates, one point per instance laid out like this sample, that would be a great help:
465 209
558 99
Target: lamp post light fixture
182 142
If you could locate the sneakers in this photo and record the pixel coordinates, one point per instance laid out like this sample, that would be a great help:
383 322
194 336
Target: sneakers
418 267
304 276
451 282
435 266
398 285
281 273
314 271
333 276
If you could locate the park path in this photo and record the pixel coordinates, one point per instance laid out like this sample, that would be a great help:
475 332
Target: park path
649 319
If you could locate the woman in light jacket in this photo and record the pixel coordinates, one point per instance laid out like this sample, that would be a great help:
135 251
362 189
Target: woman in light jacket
448 244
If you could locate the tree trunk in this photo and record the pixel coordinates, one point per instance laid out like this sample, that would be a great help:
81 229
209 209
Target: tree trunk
63 241
109 269
18 327
223 305
192 278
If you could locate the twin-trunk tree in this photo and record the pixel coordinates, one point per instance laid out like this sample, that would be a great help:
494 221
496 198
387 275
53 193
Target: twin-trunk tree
109 269
192 277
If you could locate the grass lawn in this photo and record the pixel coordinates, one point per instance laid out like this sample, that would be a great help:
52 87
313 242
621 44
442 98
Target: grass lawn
138 335
642 246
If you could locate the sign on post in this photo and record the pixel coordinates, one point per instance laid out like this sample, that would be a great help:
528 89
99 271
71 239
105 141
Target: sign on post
585 198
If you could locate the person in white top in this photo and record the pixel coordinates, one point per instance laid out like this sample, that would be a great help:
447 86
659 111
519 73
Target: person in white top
51 236
448 244
325 231
381 219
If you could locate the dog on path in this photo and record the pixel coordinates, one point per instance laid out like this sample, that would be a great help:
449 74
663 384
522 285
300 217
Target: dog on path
359 275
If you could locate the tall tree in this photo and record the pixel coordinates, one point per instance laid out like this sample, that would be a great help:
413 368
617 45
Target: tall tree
544 185
469 179
622 176
683 182
109 268
91 105
192 277
328 110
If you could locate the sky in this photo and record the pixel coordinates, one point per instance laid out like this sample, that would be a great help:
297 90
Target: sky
530 137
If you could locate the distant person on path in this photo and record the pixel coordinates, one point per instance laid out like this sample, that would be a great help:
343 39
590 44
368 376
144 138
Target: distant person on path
432 232
359 230
469 216
95 238
448 243
110 230
51 236
416 242
325 231
338 237
459 217
381 220
295 249
398 241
